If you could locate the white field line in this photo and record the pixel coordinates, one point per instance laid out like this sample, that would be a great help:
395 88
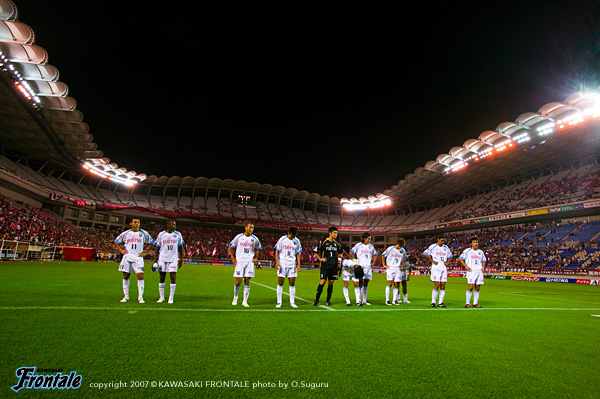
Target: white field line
167 309
297 297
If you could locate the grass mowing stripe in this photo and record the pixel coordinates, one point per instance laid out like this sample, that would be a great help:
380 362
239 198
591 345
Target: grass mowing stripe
277 310
297 297
547 297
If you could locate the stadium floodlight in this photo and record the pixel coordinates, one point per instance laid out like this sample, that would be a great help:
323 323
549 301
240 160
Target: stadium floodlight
111 174
580 116
373 202
21 84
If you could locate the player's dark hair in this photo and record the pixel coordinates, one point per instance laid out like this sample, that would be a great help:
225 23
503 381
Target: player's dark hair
473 239
332 229
401 241
441 236
247 223
365 235
293 231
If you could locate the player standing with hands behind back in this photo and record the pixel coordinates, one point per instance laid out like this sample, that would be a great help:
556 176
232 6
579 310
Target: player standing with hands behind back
474 260
438 254
247 247
287 260
170 244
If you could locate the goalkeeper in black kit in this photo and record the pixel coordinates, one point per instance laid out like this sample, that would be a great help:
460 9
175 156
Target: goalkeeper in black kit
327 252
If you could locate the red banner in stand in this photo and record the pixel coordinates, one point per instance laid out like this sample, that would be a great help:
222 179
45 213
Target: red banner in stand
78 253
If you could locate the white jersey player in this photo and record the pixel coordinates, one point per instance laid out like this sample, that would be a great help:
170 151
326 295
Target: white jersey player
438 254
244 250
366 254
393 259
287 261
170 258
474 260
131 244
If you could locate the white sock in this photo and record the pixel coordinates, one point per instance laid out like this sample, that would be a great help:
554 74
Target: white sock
442 295
172 286
469 293
140 288
365 290
434 293
357 294
405 297
161 289
346 294
126 287
246 293
279 293
476 298
236 291
292 294
396 293
387 293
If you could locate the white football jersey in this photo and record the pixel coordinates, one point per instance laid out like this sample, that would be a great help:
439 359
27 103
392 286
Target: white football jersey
439 254
473 258
288 249
134 241
364 253
169 244
393 257
245 246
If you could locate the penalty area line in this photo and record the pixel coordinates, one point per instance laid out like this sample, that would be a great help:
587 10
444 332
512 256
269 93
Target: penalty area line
297 297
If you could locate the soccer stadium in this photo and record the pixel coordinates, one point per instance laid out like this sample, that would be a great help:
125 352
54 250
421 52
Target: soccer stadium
528 189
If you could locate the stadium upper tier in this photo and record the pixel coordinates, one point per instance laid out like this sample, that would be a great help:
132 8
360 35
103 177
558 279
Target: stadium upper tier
39 123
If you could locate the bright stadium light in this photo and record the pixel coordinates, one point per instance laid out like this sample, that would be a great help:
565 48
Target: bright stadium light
373 202
581 116
21 84
109 176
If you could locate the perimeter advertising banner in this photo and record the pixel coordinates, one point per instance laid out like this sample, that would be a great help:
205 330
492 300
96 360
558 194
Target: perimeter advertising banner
563 280
536 212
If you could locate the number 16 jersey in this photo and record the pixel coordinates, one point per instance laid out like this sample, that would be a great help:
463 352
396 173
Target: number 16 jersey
245 246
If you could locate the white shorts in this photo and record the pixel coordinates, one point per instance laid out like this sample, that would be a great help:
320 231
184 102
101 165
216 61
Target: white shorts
401 276
439 274
167 267
392 274
475 277
348 275
287 271
368 273
132 262
244 269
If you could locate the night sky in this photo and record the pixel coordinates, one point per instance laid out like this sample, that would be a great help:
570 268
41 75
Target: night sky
343 99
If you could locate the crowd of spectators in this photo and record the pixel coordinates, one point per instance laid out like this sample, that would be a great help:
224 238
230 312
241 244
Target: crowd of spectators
574 186
505 247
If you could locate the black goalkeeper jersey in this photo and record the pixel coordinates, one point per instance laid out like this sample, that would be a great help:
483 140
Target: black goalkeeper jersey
329 250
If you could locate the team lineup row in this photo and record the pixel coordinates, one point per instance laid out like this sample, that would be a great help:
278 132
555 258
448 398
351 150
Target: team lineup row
357 266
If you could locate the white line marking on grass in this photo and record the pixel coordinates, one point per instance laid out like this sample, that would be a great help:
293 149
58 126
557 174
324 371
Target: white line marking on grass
297 297
279 310
595 315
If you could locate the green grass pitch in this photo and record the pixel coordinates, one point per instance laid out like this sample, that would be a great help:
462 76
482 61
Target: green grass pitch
531 339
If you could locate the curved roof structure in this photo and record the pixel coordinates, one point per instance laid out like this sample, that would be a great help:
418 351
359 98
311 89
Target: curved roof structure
436 183
39 121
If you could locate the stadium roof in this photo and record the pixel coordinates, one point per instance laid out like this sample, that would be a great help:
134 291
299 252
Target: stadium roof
559 132
39 121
